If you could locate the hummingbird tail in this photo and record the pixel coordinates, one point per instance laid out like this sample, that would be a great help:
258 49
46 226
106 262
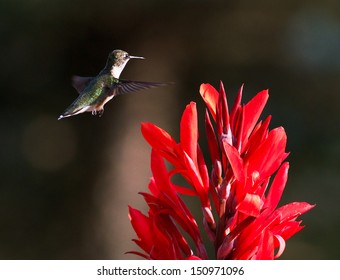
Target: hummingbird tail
71 112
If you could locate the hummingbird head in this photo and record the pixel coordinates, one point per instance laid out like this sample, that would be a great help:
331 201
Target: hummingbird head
117 60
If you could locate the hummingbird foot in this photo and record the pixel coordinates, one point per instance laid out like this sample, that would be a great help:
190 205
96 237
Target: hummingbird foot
99 112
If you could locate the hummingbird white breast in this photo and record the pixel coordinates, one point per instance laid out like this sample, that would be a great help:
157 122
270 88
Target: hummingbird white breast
116 70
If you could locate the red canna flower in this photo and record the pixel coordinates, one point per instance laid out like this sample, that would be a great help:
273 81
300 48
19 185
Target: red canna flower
238 200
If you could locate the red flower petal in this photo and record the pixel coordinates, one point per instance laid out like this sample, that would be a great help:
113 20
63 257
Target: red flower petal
277 187
202 167
141 225
251 205
235 161
260 133
266 246
282 245
222 114
160 140
210 96
193 173
252 112
271 152
235 109
189 134
212 141
292 210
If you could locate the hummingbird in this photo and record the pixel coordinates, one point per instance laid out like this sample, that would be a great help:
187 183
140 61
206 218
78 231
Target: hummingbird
95 92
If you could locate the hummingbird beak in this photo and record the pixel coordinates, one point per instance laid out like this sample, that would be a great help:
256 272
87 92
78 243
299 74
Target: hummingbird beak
139 57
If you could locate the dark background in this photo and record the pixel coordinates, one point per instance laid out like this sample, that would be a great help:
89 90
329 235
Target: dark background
65 185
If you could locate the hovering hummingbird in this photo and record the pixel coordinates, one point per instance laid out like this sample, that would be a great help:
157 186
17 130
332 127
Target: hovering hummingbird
95 92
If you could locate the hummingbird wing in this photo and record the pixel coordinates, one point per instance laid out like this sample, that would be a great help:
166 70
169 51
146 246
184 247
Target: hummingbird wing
80 83
125 86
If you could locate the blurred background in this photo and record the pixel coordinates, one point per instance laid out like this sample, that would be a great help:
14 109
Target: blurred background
65 185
